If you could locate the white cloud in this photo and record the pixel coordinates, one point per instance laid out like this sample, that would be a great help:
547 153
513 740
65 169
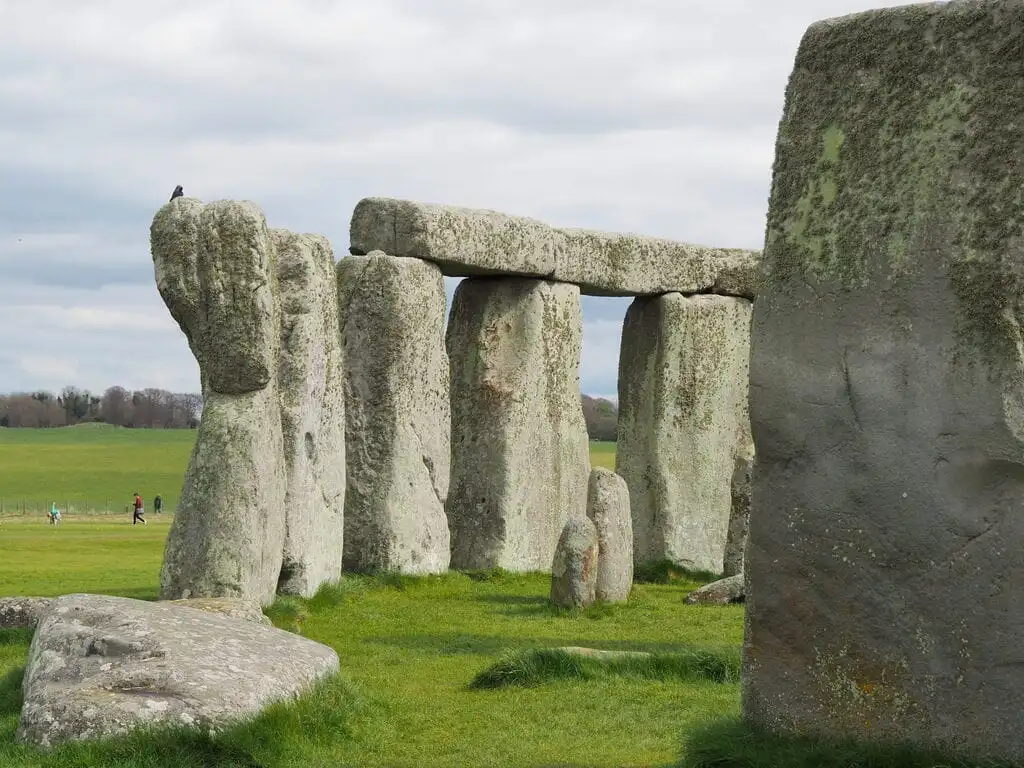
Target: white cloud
650 117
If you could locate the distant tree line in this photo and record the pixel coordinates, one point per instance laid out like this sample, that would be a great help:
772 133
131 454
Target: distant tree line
143 408
160 409
601 416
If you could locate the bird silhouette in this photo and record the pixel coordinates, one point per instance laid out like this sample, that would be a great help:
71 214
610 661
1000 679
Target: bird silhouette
177 192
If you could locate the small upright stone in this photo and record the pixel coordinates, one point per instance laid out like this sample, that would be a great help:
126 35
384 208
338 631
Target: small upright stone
608 508
575 565
739 519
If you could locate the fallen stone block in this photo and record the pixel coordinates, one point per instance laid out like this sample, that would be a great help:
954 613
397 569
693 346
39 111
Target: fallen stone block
101 666
721 592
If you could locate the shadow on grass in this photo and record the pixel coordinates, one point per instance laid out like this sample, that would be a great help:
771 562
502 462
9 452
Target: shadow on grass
537 666
10 692
667 572
732 744
512 599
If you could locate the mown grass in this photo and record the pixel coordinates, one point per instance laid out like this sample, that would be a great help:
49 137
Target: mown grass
92 467
602 454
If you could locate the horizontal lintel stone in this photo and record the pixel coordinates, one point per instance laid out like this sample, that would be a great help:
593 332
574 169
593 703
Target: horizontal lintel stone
468 242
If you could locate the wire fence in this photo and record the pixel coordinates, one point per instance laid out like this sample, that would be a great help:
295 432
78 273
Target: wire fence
24 507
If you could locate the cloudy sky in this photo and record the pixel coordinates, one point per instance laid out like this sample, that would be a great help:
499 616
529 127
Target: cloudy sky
652 116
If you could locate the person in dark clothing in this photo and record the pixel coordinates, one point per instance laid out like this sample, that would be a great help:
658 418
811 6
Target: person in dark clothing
137 517
157 504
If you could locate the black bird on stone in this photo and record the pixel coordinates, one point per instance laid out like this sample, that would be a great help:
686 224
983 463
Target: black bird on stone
177 192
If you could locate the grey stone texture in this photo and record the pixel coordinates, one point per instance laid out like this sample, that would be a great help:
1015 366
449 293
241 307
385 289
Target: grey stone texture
468 242
312 389
739 517
683 419
246 610
608 508
731 589
262 502
22 612
520 451
214 270
575 565
102 666
398 414
886 549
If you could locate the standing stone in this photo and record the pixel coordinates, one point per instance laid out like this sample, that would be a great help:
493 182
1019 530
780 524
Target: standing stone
574 567
520 452
312 389
608 508
886 549
682 421
214 270
739 520
397 414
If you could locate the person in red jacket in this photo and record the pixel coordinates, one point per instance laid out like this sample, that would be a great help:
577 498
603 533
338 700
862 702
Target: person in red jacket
138 510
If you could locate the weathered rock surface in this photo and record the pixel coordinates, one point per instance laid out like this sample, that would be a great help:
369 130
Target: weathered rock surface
22 612
312 387
520 452
608 508
886 548
214 270
575 564
101 666
682 421
722 592
246 610
469 242
739 517
398 414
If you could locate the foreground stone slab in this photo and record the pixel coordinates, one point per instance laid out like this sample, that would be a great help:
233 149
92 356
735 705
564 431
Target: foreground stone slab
398 414
312 386
608 508
682 421
886 548
101 666
214 270
520 451
22 612
574 568
469 242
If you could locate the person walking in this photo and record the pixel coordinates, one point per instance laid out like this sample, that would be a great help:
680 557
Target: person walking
137 517
158 504
54 514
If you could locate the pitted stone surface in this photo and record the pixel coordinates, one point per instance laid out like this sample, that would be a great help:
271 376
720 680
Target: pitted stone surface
472 242
101 666
721 592
575 565
312 387
247 610
214 267
608 508
520 451
682 421
398 414
886 549
22 612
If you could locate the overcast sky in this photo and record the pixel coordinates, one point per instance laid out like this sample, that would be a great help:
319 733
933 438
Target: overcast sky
652 116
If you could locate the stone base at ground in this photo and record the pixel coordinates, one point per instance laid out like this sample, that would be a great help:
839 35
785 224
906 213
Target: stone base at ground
728 590
574 569
682 421
886 550
520 451
101 666
398 414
